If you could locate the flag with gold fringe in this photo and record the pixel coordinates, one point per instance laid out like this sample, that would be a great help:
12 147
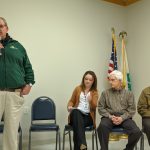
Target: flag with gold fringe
124 66
113 58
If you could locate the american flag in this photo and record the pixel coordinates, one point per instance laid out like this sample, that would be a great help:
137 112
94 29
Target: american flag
113 59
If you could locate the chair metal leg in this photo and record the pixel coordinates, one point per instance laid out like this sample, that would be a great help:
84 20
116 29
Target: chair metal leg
64 140
93 139
70 140
56 140
59 141
64 135
96 139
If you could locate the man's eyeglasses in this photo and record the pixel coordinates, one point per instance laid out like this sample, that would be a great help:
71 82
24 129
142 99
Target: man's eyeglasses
2 26
112 80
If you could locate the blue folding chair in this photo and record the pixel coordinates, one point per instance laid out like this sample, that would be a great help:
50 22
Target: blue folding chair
19 131
43 109
117 130
68 129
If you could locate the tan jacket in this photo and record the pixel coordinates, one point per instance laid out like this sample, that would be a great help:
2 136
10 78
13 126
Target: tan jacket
143 106
74 102
117 101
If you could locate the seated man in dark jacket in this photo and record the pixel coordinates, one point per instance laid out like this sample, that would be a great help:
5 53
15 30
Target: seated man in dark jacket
144 110
117 107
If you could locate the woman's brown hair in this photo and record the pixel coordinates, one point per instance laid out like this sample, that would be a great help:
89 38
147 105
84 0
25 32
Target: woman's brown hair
94 85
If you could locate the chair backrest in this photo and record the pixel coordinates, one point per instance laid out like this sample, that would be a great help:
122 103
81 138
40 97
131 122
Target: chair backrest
43 108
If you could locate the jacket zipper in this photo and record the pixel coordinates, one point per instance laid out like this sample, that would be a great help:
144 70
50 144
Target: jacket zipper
5 68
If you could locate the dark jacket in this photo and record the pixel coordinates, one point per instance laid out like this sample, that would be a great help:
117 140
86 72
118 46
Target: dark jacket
15 67
143 106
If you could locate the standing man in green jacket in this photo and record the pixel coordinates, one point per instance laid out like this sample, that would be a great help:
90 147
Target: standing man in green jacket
16 80
143 108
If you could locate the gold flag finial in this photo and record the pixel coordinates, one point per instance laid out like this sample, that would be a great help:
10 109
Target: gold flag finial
122 34
113 30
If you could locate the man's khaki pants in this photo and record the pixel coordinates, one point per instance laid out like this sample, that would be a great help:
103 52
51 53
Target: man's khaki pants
11 109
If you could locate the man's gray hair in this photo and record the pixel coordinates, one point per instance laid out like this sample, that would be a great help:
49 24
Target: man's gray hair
4 20
117 74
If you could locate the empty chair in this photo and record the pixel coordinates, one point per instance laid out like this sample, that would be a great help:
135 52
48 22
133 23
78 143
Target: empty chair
43 109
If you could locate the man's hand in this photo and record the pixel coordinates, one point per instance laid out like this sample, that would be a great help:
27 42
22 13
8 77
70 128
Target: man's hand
1 46
26 89
116 120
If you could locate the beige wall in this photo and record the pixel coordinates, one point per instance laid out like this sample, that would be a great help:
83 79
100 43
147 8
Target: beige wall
64 38
138 45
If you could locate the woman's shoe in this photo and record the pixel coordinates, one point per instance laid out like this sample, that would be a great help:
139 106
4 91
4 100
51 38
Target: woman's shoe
83 147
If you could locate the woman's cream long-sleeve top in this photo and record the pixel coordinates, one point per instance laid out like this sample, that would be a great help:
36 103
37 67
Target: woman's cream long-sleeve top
74 101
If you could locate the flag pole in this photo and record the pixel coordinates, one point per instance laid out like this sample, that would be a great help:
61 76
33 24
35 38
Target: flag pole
126 83
113 58
113 30
114 38
122 35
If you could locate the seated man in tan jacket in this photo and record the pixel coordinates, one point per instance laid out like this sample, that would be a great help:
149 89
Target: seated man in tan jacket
144 110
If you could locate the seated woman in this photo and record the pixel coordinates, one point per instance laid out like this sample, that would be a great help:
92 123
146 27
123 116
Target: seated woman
82 108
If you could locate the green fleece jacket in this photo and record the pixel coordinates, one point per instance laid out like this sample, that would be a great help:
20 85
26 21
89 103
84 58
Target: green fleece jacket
143 106
15 67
